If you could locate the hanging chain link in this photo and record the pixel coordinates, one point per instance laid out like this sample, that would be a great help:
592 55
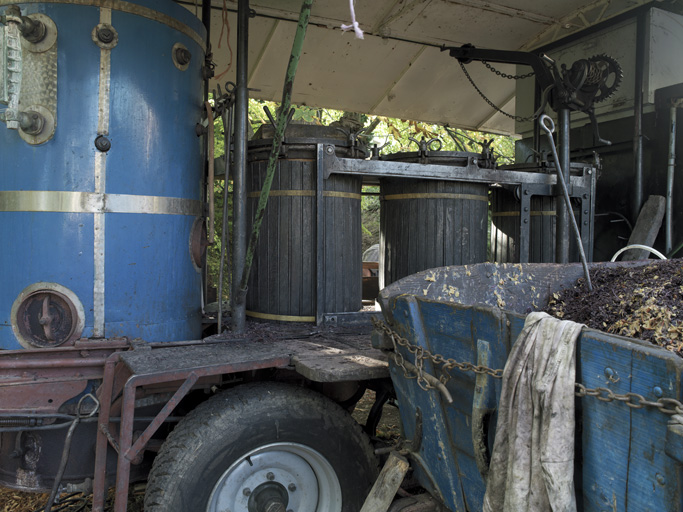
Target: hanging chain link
505 75
633 400
493 105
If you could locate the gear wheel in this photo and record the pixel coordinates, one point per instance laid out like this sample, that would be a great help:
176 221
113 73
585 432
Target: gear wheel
605 75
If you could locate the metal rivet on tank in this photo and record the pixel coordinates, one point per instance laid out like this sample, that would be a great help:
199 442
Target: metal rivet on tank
658 392
102 143
270 476
329 149
660 479
246 491
526 208
105 34
291 487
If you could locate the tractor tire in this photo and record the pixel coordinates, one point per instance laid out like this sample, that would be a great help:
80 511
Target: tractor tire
263 446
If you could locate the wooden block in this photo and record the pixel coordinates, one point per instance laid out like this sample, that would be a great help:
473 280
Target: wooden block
389 480
646 228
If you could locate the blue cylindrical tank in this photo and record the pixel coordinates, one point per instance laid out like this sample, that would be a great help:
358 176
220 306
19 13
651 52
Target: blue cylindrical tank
100 211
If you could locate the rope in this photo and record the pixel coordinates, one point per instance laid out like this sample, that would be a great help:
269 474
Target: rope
354 24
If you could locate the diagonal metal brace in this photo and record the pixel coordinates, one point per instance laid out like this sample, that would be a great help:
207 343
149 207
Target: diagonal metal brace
165 412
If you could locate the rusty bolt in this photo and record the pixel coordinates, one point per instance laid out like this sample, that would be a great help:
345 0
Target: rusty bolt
102 143
105 35
246 491
291 487
270 476
183 56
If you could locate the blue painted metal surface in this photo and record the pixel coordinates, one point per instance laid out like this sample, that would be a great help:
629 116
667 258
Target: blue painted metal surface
627 459
152 289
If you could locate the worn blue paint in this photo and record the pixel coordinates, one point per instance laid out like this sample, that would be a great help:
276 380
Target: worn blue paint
152 290
625 461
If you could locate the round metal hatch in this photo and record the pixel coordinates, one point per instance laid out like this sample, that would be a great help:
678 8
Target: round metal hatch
47 315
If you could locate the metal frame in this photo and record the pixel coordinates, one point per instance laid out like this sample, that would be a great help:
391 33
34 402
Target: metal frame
581 186
120 380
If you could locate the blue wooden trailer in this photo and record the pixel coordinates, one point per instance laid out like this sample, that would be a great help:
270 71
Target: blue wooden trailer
449 331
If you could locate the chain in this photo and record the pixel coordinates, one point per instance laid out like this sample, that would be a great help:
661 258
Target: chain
633 400
421 354
505 75
493 105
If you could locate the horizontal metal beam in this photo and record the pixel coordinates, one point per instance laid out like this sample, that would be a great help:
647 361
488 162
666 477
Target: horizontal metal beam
470 173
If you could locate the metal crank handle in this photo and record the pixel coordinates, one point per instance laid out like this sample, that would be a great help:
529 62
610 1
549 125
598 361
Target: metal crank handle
548 126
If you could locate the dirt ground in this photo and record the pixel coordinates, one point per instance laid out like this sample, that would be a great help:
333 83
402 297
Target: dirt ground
643 302
15 501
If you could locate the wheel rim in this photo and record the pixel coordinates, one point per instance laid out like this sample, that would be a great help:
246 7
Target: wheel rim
301 476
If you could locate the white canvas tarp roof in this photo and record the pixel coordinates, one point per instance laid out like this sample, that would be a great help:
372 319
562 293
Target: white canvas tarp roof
398 69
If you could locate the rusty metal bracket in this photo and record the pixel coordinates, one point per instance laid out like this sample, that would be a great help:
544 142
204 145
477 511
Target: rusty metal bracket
165 412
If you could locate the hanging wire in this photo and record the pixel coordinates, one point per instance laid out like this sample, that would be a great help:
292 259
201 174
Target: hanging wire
225 26
67 449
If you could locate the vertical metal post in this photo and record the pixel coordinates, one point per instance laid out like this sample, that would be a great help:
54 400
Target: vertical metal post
319 236
537 129
239 202
524 223
670 178
562 218
637 200
227 127
283 117
206 21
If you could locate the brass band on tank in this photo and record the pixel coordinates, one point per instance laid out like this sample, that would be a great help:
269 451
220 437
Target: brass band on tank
306 193
435 195
280 318
534 213
89 202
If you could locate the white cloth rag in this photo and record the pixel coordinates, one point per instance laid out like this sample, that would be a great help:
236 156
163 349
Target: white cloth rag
532 464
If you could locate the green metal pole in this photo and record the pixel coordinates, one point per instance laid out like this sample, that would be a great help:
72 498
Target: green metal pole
281 125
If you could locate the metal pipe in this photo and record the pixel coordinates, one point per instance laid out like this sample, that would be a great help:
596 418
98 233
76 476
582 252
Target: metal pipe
637 199
563 210
670 178
537 132
239 201
549 128
210 143
319 236
206 21
283 118
227 128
